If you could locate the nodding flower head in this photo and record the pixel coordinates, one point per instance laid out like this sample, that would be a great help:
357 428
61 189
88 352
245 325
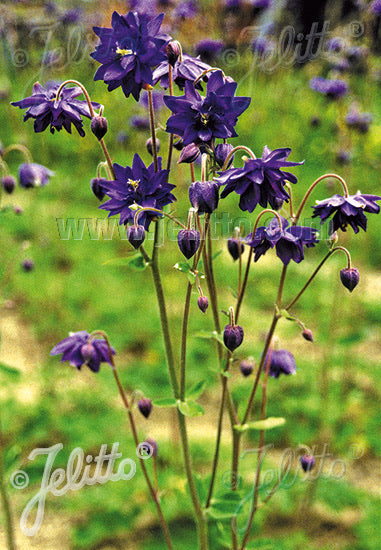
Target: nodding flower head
80 350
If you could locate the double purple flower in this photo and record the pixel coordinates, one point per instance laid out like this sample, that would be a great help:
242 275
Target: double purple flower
80 351
288 240
186 70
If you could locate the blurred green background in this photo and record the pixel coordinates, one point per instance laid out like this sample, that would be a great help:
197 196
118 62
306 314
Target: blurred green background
334 398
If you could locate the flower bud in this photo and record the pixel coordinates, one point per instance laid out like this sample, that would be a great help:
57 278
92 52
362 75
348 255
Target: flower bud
233 336
189 154
221 153
152 447
281 362
350 277
307 335
27 264
8 183
136 235
277 203
96 187
246 367
307 462
188 241
203 196
149 146
99 126
17 210
234 246
145 406
88 352
33 175
172 49
178 144
203 303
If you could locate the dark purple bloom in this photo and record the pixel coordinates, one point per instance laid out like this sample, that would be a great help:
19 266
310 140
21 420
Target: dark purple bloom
375 7
157 100
357 120
197 119
246 367
343 156
137 185
128 51
288 241
281 362
99 126
335 44
96 187
209 49
260 180
261 45
307 462
221 153
350 277
79 351
188 241
236 248
145 406
233 336
185 10
260 4
8 183
347 210
203 303
149 145
189 153
203 196
140 122
332 89
188 69
27 264
43 107
136 235
34 175
71 16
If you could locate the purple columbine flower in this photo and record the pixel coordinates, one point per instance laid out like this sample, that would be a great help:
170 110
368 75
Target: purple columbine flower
288 241
79 351
236 248
185 10
186 70
137 185
332 89
43 107
34 175
347 211
222 152
203 196
128 51
197 119
260 180
139 122
281 362
233 336
209 49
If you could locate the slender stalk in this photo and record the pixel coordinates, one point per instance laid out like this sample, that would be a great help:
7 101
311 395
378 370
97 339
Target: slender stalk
184 331
18 147
4 498
152 124
147 208
193 176
170 147
238 148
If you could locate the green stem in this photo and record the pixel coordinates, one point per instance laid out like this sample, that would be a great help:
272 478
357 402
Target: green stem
18 147
147 208
170 147
238 148
152 124
4 498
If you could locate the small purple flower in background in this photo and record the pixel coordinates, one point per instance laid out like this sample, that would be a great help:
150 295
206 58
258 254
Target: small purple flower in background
343 156
148 448
262 45
145 406
332 89
335 44
27 265
347 211
281 362
203 196
139 122
260 181
157 100
197 119
375 7
288 241
79 351
209 49
260 4
186 70
236 248
185 10
33 175
307 462
8 183
357 120
143 6
128 51
137 185
71 16
247 366
43 107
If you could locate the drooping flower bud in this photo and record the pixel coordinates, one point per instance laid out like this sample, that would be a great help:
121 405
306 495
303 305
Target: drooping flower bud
149 146
203 196
8 183
189 153
234 246
307 462
172 49
99 126
233 336
145 406
350 277
188 241
17 210
151 447
203 303
278 203
136 235
88 352
33 175
221 153
307 335
247 366
96 187
27 264
281 362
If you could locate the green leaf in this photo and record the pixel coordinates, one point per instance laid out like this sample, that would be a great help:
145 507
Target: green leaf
267 424
287 315
191 278
184 267
216 255
169 402
190 408
197 390
12 372
136 262
225 506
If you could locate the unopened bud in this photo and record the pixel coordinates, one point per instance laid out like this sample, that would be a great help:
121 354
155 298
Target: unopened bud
350 277
99 126
136 235
189 153
307 335
247 366
172 50
145 406
307 462
233 336
149 146
96 187
8 183
203 303
188 241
